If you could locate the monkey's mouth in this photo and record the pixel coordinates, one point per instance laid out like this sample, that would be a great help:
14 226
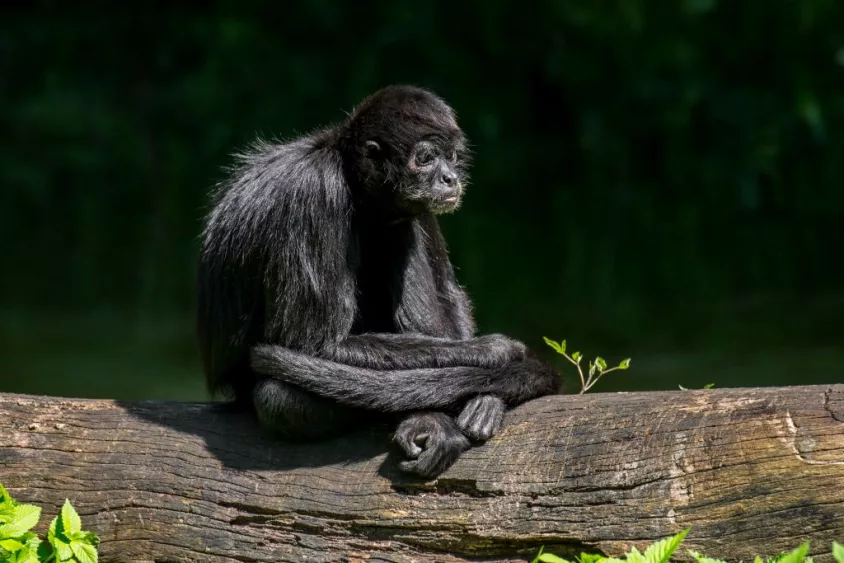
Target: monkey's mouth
445 204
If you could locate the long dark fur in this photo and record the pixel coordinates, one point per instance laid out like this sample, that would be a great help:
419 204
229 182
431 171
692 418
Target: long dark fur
342 301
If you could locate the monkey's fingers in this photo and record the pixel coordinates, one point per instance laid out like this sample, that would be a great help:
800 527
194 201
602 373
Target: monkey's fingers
411 443
437 457
433 442
482 416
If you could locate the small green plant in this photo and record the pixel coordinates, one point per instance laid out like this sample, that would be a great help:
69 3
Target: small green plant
597 368
661 552
797 555
707 386
66 541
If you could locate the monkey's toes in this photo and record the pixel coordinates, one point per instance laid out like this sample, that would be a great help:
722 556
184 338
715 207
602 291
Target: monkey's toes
432 440
482 416
410 442
437 456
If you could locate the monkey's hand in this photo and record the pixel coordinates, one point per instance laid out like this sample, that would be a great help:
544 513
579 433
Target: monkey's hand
432 440
482 416
499 350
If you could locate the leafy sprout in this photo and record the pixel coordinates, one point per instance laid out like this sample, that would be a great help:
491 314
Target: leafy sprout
595 370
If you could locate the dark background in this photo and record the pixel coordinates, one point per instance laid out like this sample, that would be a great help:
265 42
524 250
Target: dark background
658 179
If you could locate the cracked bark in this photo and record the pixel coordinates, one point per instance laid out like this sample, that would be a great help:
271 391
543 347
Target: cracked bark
753 471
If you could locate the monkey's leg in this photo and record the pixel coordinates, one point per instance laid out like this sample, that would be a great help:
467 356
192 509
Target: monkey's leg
296 414
432 440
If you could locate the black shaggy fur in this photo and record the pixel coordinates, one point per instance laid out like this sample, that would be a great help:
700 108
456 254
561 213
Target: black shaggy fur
326 295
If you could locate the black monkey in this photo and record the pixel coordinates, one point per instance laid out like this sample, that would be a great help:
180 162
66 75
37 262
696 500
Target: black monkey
326 295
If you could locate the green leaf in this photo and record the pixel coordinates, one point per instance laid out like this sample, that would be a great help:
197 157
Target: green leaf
700 558
562 346
662 550
576 356
592 368
795 556
84 552
635 557
29 556
28 552
838 552
70 519
601 363
551 558
91 538
557 348
709 386
682 388
45 551
4 497
624 364
11 545
23 517
62 548
31 540
758 560
590 558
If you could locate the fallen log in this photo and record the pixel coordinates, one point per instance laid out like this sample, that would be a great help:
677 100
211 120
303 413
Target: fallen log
752 471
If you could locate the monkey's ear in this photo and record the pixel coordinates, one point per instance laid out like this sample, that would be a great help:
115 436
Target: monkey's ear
373 149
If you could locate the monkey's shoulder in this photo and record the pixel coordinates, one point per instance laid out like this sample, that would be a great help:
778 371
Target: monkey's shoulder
292 171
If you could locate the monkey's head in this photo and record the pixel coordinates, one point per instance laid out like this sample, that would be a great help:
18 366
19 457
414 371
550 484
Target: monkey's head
405 152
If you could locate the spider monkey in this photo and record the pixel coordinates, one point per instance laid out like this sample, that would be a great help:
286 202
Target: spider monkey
327 298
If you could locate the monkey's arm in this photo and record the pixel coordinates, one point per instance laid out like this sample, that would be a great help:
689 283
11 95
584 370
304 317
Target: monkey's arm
405 389
384 351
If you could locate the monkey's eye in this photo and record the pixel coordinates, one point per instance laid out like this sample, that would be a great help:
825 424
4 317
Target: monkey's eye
424 158
373 149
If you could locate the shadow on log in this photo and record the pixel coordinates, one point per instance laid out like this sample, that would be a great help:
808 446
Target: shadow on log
753 471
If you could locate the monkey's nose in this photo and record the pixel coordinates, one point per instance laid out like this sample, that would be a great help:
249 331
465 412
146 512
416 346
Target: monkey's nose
448 178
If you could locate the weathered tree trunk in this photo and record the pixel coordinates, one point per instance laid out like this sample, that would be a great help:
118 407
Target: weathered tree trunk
753 471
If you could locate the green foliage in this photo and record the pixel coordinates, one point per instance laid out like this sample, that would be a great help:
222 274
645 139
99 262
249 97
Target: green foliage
661 552
547 558
798 555
707 386
659 159
658 552
66 542
596 370
838 552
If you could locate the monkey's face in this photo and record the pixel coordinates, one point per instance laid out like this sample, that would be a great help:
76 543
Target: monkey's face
434 177
428 178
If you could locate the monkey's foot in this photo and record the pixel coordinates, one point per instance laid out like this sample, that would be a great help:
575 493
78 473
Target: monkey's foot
433 442
482 416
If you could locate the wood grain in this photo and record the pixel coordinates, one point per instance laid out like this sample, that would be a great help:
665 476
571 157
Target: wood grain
753 471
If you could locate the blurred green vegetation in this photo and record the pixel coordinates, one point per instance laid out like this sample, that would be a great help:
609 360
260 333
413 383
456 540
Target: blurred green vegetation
656 179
